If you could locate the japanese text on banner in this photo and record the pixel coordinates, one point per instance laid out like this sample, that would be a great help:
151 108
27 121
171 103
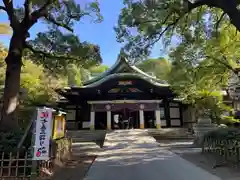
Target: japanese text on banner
43 134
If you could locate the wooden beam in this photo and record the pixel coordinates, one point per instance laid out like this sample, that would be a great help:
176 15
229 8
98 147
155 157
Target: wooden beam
125 101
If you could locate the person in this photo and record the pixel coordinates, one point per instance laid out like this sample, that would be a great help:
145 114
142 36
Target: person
120 121
116 121
150 122
130 123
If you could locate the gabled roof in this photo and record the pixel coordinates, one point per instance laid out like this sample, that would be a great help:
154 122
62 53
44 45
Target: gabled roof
121 67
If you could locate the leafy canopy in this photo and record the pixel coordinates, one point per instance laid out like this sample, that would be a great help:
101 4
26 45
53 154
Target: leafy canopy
143 23
159 67
58 46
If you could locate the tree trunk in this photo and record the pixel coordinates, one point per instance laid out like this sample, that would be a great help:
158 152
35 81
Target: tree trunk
9 121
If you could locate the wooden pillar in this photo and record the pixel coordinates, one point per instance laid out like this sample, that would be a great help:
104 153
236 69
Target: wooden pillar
109 116
141 116
109 120
92 119
158 118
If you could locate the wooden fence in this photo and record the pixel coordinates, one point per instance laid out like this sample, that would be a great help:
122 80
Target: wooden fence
20 166
228 149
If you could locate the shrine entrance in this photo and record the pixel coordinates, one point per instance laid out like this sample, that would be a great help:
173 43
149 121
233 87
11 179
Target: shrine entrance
125 114
125 119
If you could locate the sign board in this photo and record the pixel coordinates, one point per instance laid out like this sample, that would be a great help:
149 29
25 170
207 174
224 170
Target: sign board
59 126
124 83
43 134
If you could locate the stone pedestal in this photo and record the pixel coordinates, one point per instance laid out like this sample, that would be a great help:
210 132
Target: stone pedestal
203 126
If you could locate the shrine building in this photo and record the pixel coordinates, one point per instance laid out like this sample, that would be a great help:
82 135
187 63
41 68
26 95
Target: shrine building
122 91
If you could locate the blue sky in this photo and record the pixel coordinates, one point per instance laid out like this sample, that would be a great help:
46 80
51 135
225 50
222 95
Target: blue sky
101 34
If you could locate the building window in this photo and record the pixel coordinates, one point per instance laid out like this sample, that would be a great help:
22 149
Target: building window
175 116
71 115
162 113
174 113
163 117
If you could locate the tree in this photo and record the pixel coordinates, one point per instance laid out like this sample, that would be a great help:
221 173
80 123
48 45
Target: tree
98 69
74 75
143 23
37 86
199 77
60 15
160 67
206 33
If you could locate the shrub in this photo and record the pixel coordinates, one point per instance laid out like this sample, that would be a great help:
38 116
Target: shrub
224 134
10 140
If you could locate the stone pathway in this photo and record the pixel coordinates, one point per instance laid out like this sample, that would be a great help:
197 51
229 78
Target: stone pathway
133 154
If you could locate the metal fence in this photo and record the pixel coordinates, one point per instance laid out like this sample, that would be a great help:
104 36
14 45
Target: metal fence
228 149
16 166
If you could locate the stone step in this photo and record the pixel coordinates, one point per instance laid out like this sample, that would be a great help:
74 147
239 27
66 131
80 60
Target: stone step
86 135
84 145
171 133
87 153
85 148
85 139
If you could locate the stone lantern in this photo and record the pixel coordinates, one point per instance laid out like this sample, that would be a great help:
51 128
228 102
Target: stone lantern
204 125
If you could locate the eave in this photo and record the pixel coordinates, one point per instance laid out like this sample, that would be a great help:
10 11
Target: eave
120 64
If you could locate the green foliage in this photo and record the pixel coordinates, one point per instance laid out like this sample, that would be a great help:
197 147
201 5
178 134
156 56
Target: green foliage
98 69
38 84
85 74
37 87
69 45
143 23
229 120
224 134
200 77
73 74
159 67
9 140
52 50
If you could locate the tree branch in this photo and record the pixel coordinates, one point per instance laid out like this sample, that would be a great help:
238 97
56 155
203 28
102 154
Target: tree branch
49 54
198 3
190 7
229 7
28 9
52 20
219 20
10 11
3 8
41 11
31 18
220 61
173 24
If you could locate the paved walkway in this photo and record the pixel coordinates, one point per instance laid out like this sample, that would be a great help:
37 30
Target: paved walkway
134 154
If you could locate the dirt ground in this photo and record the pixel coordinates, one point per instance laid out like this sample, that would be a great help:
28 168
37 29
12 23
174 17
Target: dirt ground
75 169
206 161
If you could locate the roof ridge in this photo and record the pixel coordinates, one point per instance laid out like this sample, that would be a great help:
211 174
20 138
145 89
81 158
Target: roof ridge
116 66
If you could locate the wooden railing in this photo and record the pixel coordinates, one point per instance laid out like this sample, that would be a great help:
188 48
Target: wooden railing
228 149
21 166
